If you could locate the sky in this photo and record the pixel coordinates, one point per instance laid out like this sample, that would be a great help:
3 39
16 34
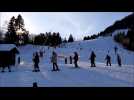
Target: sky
79 24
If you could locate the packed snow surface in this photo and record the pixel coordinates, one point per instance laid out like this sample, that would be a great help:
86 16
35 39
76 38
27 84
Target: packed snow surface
68 76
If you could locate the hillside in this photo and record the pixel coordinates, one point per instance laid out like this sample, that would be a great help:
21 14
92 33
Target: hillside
122 32
125 23
68 76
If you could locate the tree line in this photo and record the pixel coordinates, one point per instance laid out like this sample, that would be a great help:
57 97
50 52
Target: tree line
127 40
94 36
17 34
51 39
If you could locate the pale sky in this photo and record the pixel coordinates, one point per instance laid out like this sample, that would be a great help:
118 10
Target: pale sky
79 24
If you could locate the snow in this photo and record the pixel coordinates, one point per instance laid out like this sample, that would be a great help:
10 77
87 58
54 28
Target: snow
6 47
68 76
125 31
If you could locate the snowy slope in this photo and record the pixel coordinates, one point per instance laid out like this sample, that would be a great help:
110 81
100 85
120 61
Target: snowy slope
101 47
101 75
119 31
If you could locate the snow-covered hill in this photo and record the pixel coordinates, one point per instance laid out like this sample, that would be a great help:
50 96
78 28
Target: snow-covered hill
125 31
101 75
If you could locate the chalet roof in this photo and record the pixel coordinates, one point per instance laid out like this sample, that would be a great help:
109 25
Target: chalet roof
7 47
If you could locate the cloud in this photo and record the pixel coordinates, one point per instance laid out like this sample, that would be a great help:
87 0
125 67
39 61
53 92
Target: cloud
77 23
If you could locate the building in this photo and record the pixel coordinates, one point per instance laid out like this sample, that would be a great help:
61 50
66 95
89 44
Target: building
8 54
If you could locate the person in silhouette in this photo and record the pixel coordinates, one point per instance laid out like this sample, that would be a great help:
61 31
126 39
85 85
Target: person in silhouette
35 85
44 51
108 60
119 60
76 58
54 61
70 59
41 53
19 60
5 62
4 66
65 60
92 59
36 62
48 47
115 49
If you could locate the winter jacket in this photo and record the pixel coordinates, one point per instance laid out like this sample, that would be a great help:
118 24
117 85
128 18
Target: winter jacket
92 57
54 58
76 57
108 58
36 59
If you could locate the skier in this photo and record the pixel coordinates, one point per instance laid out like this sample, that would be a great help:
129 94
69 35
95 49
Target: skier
92 58
35 85
44 51
76 59
70 59
48 47
54 61
115 49
19 60
41 53
65 60
108 60
4 66
36 62
5 62
119 60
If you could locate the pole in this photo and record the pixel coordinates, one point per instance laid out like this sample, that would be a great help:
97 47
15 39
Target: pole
0 20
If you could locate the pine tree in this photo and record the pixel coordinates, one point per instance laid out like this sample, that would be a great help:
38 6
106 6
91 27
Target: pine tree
19 23
70 39
26 38
65 40
59 40
10 36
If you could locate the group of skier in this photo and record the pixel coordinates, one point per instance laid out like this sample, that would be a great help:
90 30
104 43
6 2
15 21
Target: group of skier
92 59
75 58
70 58
54 57
107 58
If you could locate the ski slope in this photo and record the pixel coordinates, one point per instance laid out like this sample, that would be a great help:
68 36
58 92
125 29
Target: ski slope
68 76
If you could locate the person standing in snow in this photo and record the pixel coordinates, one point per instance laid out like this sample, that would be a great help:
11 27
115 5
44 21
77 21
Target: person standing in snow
19 60
44 51
76 59
35 85
115 49
4 66
33 54
65 60
108 60
54 61
119 60
70 59
36 62
41 53
92 59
